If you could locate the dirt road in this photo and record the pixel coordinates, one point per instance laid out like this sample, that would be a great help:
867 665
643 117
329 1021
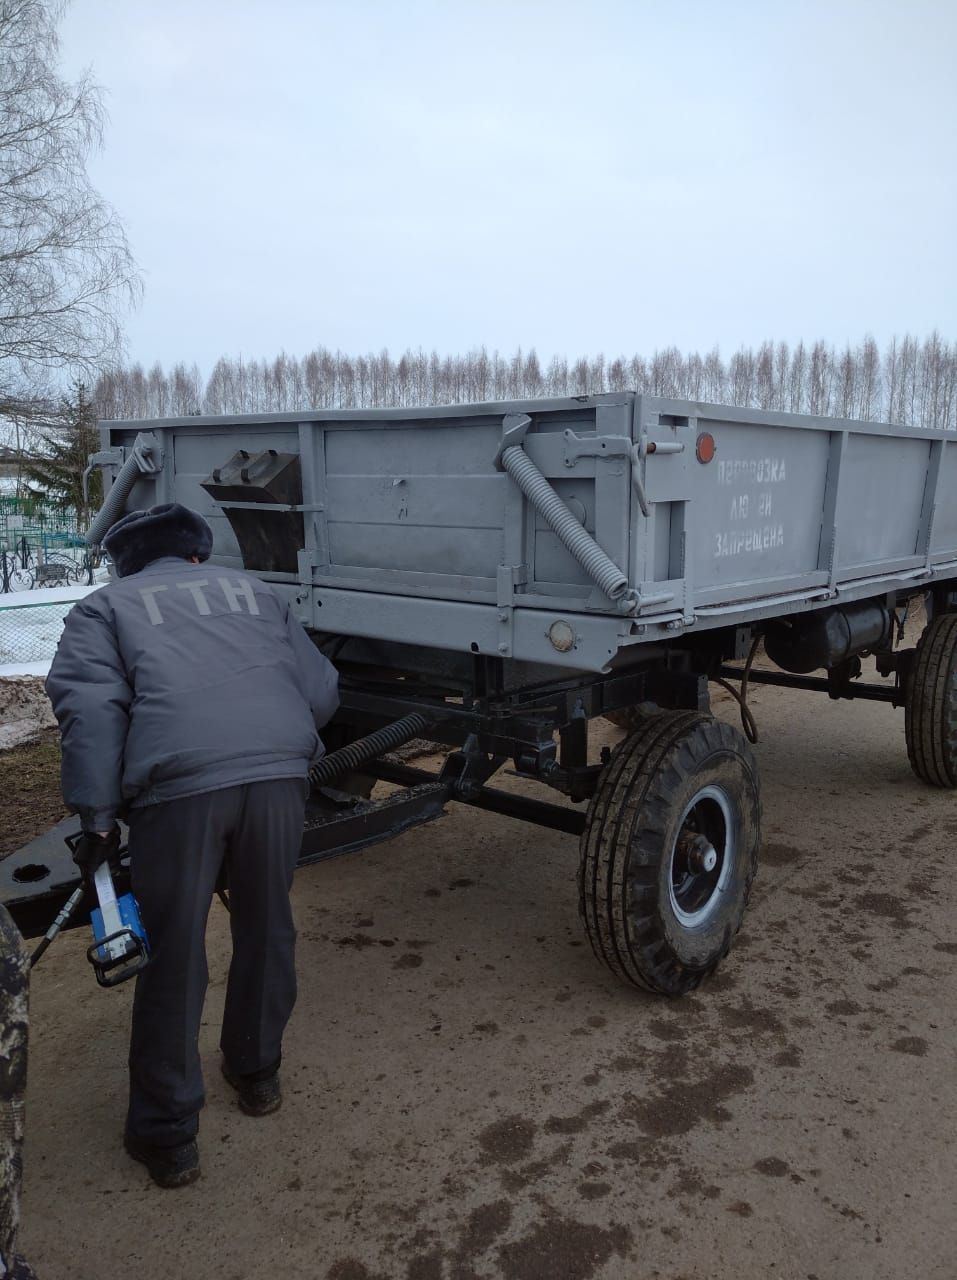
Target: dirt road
468 1094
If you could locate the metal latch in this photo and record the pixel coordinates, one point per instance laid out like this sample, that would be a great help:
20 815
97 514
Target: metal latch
639 452
611 447
594 447
646 446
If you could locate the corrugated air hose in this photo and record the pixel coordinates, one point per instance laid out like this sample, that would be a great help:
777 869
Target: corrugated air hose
115 501
364 749
600 567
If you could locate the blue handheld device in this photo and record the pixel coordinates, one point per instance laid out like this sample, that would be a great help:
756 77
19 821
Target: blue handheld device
120 948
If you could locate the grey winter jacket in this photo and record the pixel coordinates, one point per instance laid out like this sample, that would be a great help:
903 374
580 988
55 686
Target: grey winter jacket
180 679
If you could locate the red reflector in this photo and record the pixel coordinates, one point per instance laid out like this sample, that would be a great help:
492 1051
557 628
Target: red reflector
706 447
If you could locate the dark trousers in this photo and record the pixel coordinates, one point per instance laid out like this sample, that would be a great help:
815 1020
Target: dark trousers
176 852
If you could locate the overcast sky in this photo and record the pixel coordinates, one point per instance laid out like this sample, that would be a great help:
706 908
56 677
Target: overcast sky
608 175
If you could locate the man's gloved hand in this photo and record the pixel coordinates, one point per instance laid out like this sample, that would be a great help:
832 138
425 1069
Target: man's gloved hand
96 847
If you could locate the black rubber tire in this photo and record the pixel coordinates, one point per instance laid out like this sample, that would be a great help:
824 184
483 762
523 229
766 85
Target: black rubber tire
930 712
632 826
629 718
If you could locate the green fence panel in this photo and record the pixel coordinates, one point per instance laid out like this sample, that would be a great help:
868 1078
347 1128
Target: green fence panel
43 524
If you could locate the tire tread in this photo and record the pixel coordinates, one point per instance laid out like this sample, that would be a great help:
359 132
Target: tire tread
930 721
617 879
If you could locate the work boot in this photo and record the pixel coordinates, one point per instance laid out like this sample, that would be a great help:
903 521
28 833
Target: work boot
167 1166
259 1095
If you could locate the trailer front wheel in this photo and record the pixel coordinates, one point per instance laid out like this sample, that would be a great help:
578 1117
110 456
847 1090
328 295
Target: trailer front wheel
930 718
669 851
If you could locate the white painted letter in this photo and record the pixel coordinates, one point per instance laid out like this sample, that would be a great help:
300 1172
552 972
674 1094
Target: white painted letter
232 592
152 608
197 590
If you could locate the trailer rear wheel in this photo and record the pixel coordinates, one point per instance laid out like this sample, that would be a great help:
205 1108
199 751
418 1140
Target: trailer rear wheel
669 851
930 718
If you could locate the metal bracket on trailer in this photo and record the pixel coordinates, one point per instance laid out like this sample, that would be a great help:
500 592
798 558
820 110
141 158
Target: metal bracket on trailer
509 577
105 458
367 822
514 430
541 813
594 447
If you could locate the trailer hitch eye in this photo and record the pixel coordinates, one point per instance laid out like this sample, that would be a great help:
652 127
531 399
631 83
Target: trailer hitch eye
31 872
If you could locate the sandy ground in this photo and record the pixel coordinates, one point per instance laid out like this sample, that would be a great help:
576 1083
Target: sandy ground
469 1094
30 799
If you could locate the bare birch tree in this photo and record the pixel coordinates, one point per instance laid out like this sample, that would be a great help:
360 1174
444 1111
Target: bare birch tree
66 271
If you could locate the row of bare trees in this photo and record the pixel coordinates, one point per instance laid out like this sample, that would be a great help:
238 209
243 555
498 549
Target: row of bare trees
910 381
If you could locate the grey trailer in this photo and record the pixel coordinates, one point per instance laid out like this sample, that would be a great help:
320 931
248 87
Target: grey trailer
494 576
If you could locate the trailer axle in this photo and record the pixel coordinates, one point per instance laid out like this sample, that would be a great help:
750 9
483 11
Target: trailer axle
844 689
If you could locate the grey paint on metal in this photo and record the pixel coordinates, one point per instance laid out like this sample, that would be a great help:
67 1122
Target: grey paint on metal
414 533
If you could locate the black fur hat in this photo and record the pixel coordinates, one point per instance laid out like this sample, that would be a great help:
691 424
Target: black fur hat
141 537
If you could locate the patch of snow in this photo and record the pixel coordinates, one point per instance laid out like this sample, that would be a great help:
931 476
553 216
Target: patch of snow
44 595
31 622
25 711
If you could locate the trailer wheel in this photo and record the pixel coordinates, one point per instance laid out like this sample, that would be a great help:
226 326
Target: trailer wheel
669 851
930 715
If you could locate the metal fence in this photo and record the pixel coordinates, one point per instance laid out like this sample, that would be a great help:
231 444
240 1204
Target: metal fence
28 565
29 633
42 524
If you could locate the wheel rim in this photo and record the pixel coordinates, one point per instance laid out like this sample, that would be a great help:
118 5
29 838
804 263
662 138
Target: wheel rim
702 856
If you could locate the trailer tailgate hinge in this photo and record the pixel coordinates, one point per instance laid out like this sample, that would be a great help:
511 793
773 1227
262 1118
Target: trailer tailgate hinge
509 577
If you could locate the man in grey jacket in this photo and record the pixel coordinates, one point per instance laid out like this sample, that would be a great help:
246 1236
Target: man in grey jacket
189 700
